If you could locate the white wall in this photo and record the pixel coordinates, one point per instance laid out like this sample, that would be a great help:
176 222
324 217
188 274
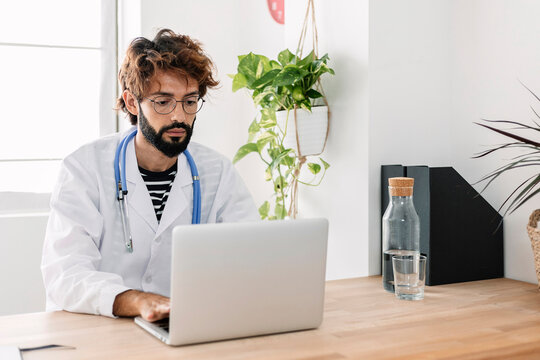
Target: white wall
343 195
435 68
408 94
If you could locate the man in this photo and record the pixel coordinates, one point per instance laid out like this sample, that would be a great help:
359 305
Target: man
86 266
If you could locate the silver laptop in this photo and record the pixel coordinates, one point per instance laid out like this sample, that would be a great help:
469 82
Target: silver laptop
244 279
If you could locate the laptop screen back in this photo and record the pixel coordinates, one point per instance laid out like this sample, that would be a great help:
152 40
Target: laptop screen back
243 279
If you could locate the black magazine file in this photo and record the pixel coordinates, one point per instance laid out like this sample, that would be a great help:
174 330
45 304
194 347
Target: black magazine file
459 229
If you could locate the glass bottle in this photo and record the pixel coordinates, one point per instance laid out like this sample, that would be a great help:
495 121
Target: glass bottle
400 227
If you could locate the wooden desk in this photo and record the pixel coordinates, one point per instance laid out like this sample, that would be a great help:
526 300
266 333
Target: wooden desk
492 319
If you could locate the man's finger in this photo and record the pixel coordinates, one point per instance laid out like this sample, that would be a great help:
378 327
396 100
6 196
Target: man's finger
157 312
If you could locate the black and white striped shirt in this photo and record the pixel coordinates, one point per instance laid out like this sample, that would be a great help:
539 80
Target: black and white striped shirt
159 186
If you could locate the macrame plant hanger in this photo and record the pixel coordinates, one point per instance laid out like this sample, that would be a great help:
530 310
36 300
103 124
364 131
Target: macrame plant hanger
293 208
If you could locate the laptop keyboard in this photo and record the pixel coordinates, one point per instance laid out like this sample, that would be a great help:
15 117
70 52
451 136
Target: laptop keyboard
163 324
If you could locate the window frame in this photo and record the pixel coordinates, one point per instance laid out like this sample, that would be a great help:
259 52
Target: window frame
108 121
108 86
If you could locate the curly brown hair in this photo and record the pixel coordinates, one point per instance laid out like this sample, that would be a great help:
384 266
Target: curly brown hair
167 51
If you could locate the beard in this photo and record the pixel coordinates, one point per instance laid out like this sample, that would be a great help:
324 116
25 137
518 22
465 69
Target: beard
171 148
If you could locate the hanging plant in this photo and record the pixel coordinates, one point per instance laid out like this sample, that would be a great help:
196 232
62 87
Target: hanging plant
289 84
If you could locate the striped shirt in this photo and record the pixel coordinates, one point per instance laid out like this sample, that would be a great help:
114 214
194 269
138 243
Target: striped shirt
159 186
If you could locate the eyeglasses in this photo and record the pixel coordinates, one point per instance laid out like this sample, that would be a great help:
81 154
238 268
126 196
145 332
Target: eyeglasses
166 104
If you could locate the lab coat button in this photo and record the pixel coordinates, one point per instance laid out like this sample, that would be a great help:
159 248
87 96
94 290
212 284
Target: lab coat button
148 279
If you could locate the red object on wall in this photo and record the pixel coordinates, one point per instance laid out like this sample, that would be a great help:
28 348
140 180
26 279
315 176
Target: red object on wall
277 10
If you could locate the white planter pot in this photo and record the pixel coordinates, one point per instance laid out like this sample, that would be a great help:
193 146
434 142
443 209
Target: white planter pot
312 129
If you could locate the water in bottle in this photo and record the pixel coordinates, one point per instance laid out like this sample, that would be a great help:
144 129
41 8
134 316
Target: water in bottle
400 227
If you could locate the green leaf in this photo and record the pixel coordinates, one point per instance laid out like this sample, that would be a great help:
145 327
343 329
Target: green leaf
268 174
289 75
265 79
264 139
306 105
285 57
239 81
254 127
324 58
231 75
307 60
275 65
266 63
279 184
286 77
267 123
256 92
259 98
253 130
323 68
244 150
288 160
268 113
273 153
264 210
314 168
280 212
248 67
279 159
284 90
260 70
248 63
314 94
325 164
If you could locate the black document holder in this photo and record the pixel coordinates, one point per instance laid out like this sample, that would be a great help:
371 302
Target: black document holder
460 232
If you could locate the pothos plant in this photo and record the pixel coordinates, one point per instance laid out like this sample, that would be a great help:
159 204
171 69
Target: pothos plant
287 84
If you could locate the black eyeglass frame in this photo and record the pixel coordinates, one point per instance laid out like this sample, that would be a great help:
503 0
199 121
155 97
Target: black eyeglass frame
153 101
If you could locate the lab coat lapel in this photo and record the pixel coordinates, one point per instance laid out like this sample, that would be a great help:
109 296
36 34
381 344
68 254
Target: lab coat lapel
177 202
138 196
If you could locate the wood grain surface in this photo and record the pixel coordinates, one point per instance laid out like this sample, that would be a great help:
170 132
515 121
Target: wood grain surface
491 319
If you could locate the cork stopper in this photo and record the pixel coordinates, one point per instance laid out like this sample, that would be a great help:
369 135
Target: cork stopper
401 186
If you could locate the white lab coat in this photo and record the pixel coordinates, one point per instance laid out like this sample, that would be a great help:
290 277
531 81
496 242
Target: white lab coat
85 263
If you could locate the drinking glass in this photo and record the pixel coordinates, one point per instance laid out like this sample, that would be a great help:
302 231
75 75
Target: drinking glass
409 276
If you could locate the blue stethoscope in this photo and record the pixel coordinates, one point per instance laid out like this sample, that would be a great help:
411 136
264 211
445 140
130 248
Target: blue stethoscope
121 190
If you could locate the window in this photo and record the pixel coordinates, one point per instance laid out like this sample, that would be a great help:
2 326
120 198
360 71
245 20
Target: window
58 74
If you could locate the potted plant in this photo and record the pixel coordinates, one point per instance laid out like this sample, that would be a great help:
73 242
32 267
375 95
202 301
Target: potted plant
531 157
527 188
281 90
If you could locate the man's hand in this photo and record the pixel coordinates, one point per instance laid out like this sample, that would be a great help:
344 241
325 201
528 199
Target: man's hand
151 307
